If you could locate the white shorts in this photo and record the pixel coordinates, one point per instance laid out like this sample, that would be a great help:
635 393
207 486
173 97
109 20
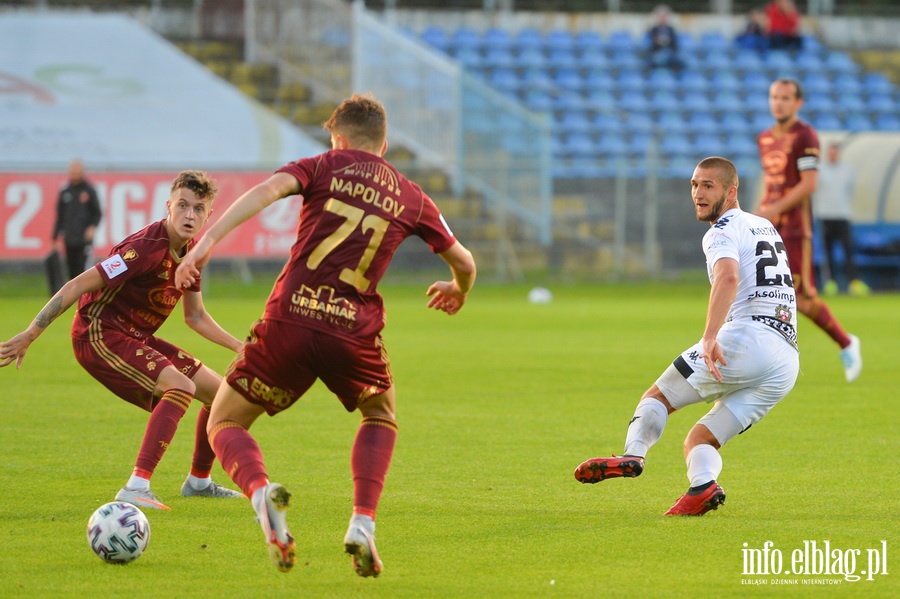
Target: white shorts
762 369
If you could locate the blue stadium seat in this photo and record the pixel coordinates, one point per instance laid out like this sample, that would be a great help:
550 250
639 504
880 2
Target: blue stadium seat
464 37
600 100
468 56
566 100
528 38
757 102
559 39
756 82
847 83
662 80
819 103
598 79
622 40
850 102
748 61
504 79
677 145
672 123
568 78
607 121
738 145
495 58
497 38
628 81
625 60
726 101
809 63
734 122
857 122
695 80
695 101
703 123
678 165
713 42
610 144
816 83
725 81
574 121
887 122
639 122
633 101
717 61
586 40
536 78
436 37
877 83
687 43
530 58
593 58
837 62
881 104
538 100
562 58
827 121
708 145
779 63
664 101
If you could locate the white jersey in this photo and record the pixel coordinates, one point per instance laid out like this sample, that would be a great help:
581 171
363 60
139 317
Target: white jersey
765 292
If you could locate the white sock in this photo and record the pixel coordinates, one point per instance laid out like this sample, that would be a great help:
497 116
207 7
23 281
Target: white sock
646 427
704 464
365 522
198 484
138 483
256 500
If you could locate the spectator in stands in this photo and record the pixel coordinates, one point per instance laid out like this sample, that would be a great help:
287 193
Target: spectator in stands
77 216
832 205
663 41
784 25
753 37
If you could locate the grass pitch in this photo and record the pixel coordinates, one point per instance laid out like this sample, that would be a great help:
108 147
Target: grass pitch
497 406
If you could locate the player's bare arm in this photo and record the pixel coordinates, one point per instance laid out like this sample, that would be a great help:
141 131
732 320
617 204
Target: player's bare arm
196 317
450 296
721 298
15 348
276 187
809 180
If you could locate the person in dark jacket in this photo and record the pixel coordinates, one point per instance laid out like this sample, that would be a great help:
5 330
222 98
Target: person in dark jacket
77 215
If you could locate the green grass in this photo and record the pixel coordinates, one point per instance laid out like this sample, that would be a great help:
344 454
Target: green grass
496 408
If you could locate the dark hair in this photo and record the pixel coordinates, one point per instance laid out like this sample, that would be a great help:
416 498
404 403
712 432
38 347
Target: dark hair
198 182
798 88
361 118
726 167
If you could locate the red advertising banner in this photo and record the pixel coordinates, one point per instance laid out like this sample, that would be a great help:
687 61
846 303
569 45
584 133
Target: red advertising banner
131 201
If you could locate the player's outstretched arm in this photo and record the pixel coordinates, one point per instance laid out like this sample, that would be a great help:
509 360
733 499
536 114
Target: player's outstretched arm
196 317
14 350
450 296
279 185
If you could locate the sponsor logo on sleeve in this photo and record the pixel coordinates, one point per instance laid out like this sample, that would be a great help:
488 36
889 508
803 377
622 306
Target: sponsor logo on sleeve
114 266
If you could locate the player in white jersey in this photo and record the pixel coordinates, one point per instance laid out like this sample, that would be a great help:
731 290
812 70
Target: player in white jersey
747 360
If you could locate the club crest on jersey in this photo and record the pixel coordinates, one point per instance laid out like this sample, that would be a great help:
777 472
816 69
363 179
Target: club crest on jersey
130 254
783 313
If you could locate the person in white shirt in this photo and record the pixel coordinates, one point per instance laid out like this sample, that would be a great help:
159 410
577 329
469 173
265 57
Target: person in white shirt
832 206
747 359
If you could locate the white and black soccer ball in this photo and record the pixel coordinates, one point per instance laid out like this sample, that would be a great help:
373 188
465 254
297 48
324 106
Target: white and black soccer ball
118 532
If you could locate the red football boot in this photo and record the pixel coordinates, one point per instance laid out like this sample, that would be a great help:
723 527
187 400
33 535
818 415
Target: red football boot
596 469
698 502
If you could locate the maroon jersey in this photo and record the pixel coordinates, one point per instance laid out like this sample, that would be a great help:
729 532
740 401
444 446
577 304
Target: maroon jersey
357 209
140 292
783 158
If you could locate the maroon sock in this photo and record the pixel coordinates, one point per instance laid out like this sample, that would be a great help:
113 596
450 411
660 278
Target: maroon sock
239 455
370 460
160 429
204 456
823 317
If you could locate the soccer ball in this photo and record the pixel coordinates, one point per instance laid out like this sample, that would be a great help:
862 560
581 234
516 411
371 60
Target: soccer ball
118 532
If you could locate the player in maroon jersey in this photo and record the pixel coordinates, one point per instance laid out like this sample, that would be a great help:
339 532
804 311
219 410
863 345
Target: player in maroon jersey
789 152
122 301
324 316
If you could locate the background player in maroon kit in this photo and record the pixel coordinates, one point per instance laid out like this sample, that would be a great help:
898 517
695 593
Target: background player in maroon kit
789 151
122 302
324 316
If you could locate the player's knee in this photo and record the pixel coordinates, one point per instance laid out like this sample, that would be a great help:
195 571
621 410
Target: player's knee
171 378
699 435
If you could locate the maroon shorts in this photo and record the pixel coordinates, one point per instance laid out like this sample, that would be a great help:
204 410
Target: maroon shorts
799 253
281 361
130 367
